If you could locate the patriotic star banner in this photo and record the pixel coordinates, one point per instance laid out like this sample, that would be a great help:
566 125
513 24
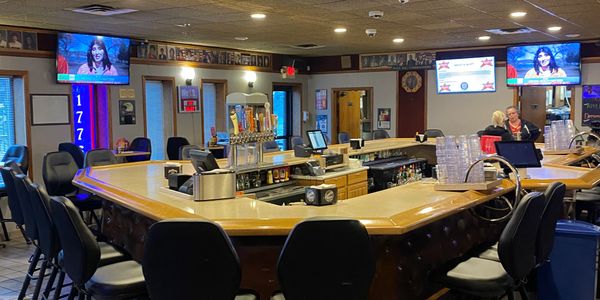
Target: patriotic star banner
398 61
466 75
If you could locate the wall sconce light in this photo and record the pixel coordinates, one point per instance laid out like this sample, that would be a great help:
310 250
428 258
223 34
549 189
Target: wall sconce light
188 74
250 77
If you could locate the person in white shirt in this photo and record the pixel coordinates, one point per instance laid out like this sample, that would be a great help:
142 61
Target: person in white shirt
15 43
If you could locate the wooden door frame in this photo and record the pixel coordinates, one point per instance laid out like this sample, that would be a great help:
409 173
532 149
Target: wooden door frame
174 99
517 101
26 97
214 81
297 85
334 109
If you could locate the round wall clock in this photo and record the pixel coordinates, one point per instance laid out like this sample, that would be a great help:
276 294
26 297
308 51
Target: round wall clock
411 82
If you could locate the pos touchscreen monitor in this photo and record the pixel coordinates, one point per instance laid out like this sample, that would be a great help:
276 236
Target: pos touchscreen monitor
316 139
203 161
522 154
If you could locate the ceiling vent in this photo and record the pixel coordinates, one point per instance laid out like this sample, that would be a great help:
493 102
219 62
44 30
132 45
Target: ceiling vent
307 46
505 31
102 10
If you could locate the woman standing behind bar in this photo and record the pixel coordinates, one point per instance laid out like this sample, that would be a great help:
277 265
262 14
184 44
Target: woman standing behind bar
497 127
521 129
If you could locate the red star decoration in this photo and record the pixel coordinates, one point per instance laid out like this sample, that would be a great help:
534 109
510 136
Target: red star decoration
488 85
486 62
445 87
444 65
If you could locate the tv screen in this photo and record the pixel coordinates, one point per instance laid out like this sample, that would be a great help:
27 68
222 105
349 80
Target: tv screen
466 75
84 58
545 64
316 139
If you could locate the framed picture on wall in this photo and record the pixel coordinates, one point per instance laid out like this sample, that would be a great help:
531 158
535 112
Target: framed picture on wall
321 99
322 123
590 108
384 118
189 98
50 110
127 112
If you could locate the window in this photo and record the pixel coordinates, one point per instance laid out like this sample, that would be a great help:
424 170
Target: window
209 98
155 118
7 114
282 100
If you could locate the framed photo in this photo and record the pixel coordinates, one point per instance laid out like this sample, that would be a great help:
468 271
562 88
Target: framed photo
29 40
590 108
321 99
126 112
162 52
50 110
171 53
15 39
384 116
189 98
322 123
3 39
142 50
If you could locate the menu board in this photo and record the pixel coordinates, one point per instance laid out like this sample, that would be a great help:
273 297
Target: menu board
590 109
466 75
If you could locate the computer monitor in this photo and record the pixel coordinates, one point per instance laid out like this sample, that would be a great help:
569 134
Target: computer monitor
203 161
522 154
316 139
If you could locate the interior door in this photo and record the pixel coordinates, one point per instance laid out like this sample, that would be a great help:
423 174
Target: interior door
349 113
533 107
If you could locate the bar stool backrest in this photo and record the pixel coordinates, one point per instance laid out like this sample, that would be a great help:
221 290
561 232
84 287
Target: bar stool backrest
210 269
184 151
517 245
58 170
554 194
75 152
40 203
19 155
326 258
99 157
21 180
173 145
81 253
13 198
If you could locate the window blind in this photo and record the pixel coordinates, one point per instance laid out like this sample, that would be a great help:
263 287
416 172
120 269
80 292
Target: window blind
7 114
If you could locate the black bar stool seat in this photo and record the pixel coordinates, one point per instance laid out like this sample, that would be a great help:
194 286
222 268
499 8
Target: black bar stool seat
117 281
483 277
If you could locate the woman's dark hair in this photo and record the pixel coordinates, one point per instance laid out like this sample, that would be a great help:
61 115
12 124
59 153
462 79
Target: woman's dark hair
536 62
90 58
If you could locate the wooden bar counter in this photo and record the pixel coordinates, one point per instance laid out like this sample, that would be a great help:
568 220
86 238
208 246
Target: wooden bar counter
413 228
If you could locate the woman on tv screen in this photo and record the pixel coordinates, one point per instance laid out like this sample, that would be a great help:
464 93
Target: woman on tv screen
98 61
544 65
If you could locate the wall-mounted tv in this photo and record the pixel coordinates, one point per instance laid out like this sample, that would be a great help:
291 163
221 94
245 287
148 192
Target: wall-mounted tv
466 75
545 64
86 58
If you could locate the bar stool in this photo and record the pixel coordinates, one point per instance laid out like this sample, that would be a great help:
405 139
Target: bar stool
13 199
50 245
211 269
380 134
141 144
58 170
517 250
81 256
343 137
326 258
74 151
99 157
174 143
19 155
184 151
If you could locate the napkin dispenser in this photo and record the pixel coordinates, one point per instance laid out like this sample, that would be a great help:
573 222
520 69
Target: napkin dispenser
324 194
214 185
357 143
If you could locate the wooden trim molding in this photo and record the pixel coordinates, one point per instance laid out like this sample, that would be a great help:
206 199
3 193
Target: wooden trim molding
173 96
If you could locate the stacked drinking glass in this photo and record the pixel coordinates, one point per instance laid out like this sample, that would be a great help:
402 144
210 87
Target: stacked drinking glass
558 135
455 156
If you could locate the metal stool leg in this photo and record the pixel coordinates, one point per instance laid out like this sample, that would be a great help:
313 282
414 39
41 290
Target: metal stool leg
3 221
40 280
30 271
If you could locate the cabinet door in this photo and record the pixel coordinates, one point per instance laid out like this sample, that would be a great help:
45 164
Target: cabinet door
357 177
340 181
357 189
342 194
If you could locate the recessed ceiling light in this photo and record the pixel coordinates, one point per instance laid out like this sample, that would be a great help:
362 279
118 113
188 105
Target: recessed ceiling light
340 30
518 14
484 38
573 35
554 28
241 38
258 16
183 25
398 40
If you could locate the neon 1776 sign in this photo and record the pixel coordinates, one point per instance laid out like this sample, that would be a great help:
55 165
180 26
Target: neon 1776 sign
83 116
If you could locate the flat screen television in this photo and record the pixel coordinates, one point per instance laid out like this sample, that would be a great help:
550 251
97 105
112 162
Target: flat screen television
316 139
543 64
86 58
466 75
